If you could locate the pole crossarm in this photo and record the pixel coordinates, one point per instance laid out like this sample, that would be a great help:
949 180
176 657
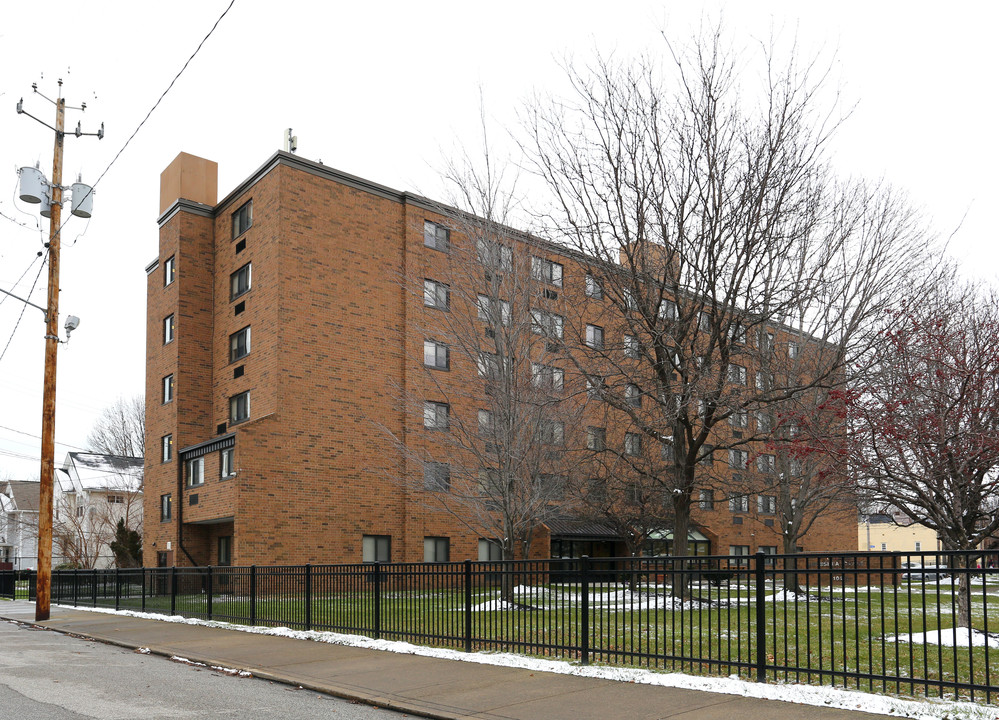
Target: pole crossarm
26 302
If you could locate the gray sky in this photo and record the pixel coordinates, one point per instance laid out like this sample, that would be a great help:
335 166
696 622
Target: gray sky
385 90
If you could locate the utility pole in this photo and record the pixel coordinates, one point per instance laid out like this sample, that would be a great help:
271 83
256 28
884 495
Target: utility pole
46 486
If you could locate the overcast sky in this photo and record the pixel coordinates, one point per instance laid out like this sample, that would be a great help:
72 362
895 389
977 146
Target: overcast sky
385 90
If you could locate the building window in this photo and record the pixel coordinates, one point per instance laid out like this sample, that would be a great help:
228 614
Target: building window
546 271
736 374
667 310
633 395
488 366
494 255
435 236
763 423
435 416
704 321
884 547
167 445
436 295
489 308
596 438
169 270
738 503
239 407
792 350
547 324
166 507
169 329
593 289
436 477
224 548
167 389
486 426
490 551
547 376
738 459
764 381
667 450
766 504
242 219
436 549
435 355
376 548
239 282
195 471
632 444
631 348
595 386
239 344
739 419
595 337
227 464
766 463
116 499
919 546
706 500
707 455
552 432
737 333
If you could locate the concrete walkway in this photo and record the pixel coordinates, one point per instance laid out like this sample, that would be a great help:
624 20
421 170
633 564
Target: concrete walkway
417 685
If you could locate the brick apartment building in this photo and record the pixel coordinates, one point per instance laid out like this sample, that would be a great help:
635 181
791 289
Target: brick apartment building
279 334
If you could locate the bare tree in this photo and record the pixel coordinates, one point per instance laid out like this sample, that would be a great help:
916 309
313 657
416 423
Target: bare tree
926 422
715 235
86 521
492 393
120 430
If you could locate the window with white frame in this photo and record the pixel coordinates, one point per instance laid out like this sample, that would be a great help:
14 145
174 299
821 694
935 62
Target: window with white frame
167 389
166 444
668 310
239 344
436 236
547 376
738 459
628 299
435 415
239 282
766 504
632 444
763 423
227 464
739 419
593 289
169 329
766 463
741 556
487 365
486 424
667 451
704 321
595 337
793 349
169 270
494 255
195 468
738 503
436 295
242 219
435 355
546 271
631 348
436 476
596 438
736 374
632 395
547 324
376 548
595 386
436 549
795 467
552 432
493 311
239 407
706 500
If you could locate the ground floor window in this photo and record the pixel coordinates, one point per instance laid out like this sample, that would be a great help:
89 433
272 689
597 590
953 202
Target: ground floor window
436 549
225 550
376 548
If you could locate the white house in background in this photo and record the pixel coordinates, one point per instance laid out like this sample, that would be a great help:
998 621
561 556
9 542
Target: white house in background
92 492
19 524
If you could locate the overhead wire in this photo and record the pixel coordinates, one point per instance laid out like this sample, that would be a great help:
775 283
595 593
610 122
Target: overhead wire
23 308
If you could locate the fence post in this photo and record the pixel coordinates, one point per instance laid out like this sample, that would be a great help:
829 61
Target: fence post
76 586
209 588
253 594
761 619
173 590
94 577
584 621
117 588
308 596
378 601
468 606
142 578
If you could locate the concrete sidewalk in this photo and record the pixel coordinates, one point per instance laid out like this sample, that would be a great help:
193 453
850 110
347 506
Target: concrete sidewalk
418 685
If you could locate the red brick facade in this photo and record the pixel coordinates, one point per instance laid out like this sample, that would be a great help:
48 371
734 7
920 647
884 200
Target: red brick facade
334 333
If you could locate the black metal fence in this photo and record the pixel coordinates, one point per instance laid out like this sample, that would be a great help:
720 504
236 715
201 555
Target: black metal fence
914 624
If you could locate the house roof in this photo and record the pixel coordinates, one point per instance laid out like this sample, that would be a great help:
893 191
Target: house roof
96 471
24 494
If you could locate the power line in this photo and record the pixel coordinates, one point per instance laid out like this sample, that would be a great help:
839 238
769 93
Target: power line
23 308
39 437
18 282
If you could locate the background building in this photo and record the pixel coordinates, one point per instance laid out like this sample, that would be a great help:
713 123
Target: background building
19 524
284 345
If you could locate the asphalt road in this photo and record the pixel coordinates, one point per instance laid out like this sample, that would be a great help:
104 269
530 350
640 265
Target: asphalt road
44 674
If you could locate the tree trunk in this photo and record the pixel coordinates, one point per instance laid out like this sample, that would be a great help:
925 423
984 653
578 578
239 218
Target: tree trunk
681 530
